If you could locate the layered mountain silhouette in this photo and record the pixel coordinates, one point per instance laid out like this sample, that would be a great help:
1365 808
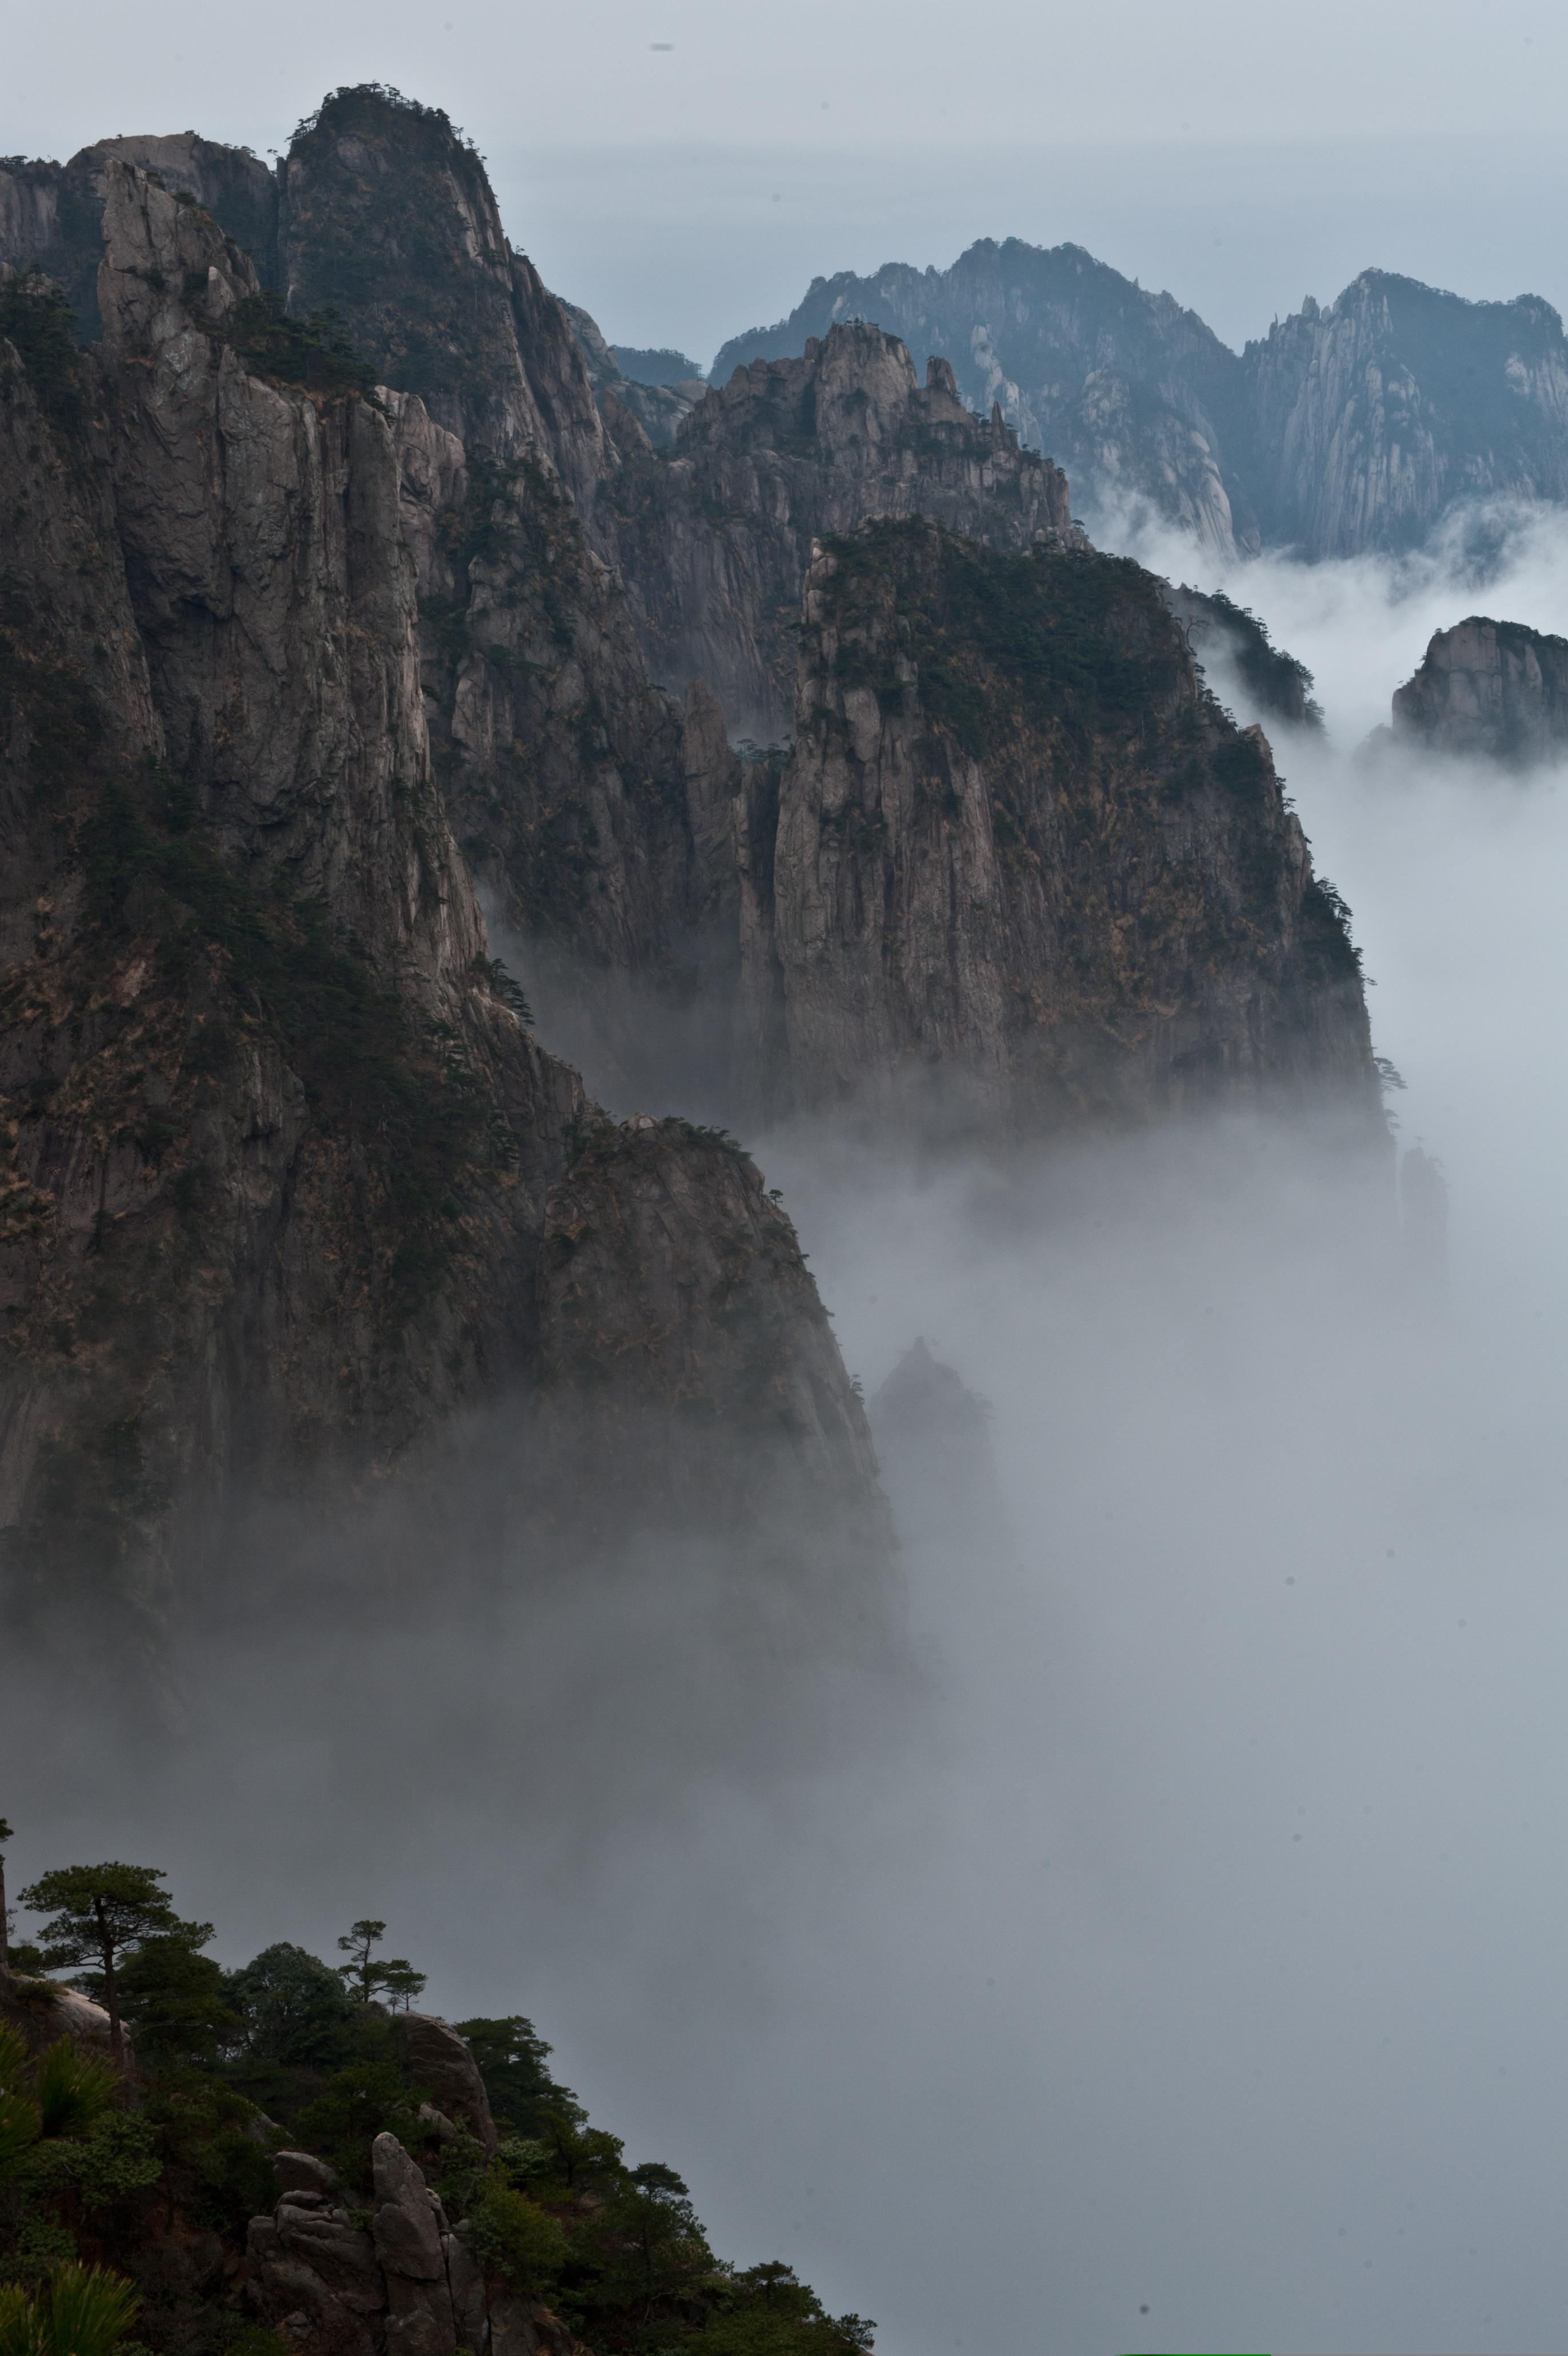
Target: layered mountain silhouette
1344 430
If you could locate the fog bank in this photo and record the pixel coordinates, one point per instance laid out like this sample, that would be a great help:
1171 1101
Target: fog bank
1172 1956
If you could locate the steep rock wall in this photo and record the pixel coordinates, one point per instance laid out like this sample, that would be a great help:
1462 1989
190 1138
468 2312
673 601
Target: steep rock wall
1495 690
278 1151
388 217
714 543
1373 417
1026 874
1131 393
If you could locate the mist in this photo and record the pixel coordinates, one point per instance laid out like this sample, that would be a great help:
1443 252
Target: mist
1163 1945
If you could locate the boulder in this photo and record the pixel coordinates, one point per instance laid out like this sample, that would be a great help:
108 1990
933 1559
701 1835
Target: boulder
301 2171
444 2069
407 2235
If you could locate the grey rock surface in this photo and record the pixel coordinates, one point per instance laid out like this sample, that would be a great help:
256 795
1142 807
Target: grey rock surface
442 2066
971 928
714 543
1494 690
332 2287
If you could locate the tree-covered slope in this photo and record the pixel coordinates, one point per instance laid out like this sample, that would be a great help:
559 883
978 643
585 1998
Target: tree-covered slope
288 2156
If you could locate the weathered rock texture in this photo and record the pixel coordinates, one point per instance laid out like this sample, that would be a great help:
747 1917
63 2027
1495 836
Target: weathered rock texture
388 217
1495 690
1346 429
1027 872
1131 393
659 405
714 544
281 1158
1370 418
442 2066
407 2286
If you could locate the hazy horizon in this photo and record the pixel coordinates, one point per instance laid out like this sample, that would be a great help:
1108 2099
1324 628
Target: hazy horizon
683 172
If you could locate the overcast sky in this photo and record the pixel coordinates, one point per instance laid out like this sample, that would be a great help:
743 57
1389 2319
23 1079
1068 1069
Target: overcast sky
684 167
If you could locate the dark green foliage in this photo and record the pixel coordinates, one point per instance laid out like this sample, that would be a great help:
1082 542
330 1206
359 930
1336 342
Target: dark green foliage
174 2002
1326 920
646 366
36 316
77 2311
512 2059
361 2101
515 2237
293 2009
766 2311
311 352
504 985
617 2250
1069 638
71 2089
1276 681
99 1914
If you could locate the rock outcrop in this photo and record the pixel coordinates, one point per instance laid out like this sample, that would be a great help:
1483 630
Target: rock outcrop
407 2284
715 542
1026 874
659 405
442 2067
1133 394
933 1439
1370 419
388 218
1494 690
280 1152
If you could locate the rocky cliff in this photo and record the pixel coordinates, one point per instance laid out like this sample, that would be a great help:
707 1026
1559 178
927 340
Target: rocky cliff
1131 393
715 542
283 1159
1026 874
1346 429
1372 418
1492 690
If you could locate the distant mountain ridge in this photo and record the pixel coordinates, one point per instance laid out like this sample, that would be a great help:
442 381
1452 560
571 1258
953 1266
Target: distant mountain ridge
1346 429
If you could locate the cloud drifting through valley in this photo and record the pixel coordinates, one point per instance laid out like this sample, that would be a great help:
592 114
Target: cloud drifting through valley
1171 1956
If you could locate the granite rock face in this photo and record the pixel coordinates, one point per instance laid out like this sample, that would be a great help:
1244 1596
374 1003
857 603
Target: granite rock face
715 542
442 2066
388 217
658 407
1492 690
409 2285
1372 418
1026 874
278 1148
1132 393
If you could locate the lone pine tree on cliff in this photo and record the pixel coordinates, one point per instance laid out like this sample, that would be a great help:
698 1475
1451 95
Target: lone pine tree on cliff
101 1914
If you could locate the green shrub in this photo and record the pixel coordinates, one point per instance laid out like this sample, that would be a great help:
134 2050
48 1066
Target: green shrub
72 2088
311 353
77 2311
514 2237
